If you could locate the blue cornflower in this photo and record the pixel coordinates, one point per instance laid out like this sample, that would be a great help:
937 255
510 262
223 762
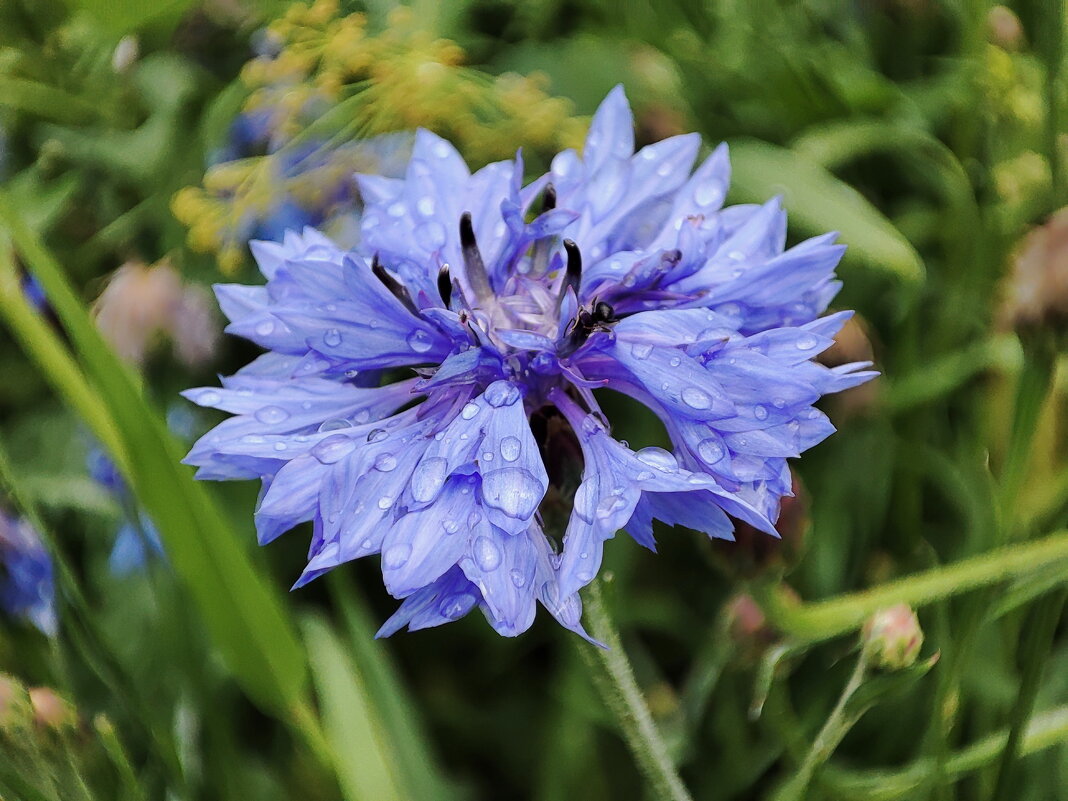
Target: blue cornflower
137 538
27 588
394 407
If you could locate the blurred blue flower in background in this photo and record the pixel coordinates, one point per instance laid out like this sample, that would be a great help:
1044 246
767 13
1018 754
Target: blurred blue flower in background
27 586
616 270
137 538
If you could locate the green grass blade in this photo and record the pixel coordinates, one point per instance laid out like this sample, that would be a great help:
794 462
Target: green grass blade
243 612
819 202
366 769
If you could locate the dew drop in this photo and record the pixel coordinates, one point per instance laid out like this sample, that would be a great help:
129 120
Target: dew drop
272 415
487 456
333 448
425 206
385 462
518 579
265 328
332 338
807 342
362 416
696 398
675 361
396 210
706 194
487 554
450 526
253 439
377 435
428 478
710 451
609 505
641 350
280 446
510 448
367 544
209 398
385 502
501 393
420 341
396 556
760 413
778 403
469 411
334 425
457 606
513 490
658 458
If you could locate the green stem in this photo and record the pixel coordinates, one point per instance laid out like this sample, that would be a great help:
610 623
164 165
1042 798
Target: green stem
1044 731
1036 377
614 679
837 725
1038 638
814 622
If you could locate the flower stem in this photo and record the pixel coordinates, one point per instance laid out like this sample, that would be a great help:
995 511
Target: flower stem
834 729
822 620
614 679
1037 640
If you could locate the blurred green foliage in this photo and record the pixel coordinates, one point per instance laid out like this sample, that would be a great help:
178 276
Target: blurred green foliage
932 135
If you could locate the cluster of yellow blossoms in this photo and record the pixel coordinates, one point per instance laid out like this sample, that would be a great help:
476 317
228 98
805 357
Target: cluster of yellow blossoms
325 88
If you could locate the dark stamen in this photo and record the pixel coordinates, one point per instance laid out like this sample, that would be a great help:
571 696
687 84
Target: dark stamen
445 285
396 288
603 312
548 200
574 268
476 268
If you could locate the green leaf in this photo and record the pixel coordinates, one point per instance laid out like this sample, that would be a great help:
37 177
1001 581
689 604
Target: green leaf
818 202
353 728
242 612
122 16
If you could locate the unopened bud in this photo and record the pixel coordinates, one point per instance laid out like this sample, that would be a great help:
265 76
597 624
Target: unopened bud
51 711
1004 28
1037 294
893 637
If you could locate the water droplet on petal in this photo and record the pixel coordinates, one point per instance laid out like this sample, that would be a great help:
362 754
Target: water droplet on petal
333 448
641 350
332 338
280 446
209 398
609 505
513 490
706 194
487 554
510 448
760 412
501 393
385 462
420 341
457 606
272 415
696 398
469 411
253 439
385 502
710 451
658 458
425 206
517 577
778 403
362 416
644 475
265 328
450 526
396 556
807 342
428 478
675 361
334 425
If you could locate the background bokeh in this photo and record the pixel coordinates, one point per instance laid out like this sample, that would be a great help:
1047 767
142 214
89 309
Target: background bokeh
157 653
